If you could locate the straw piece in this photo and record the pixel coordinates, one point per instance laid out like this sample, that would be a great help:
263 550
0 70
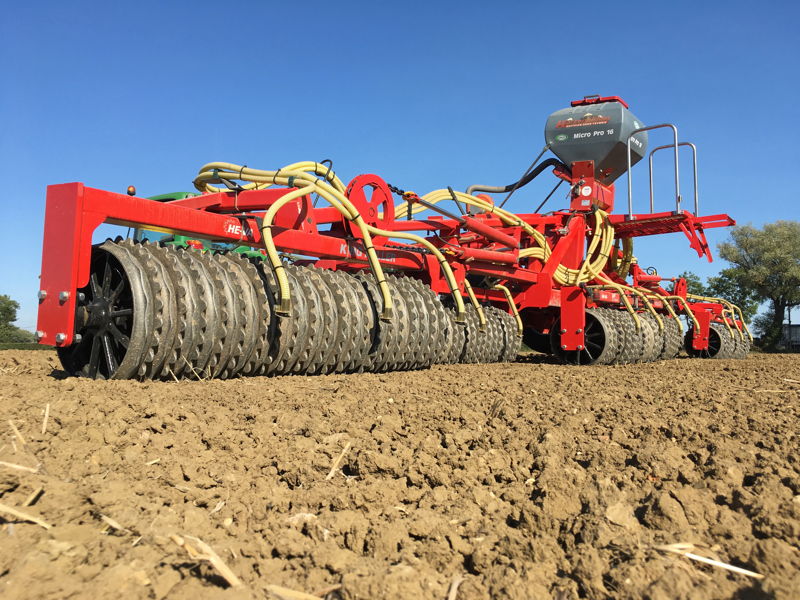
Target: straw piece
46 414
113 524
453 591
40 466
328 590
18 434
18 467
683 549
337 461
210 557
34 496
23 516
287 594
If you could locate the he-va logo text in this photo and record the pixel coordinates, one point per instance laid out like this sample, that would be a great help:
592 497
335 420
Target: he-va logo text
234 228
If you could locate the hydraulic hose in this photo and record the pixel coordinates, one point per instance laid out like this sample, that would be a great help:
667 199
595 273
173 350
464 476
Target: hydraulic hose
512 306
618 288
603 235
731 307
535 172
476 304
333 191
627 258
307 184
667 305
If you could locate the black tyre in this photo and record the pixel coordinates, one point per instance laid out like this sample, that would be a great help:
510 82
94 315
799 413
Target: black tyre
600 341
114 318
720 343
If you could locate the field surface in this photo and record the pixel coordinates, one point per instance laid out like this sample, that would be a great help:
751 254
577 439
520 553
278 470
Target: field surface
523 480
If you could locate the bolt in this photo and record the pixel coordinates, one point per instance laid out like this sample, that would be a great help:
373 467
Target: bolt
563 331
580 347
81 296
77 338
41 295
579 330
63 296
60 337
38 335
564 347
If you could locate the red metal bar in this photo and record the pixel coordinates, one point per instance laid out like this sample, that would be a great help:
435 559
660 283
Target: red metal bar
573 300
700 335
490 233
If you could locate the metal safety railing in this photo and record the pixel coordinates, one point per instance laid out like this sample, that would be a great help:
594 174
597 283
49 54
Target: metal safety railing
694 166
677 177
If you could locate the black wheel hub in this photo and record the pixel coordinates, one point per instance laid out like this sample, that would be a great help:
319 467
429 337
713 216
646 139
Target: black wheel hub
103 320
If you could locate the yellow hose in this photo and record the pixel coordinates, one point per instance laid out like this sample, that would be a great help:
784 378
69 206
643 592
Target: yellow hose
445 266
668 306
513 307
476 304
627 258
686 309
618 288
333 193
603 231
731 308
259 179
344 207
272 252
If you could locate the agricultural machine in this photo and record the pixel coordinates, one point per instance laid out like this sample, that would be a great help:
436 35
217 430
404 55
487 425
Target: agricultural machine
292 272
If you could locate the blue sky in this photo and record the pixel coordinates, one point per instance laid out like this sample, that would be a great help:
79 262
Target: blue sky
425 94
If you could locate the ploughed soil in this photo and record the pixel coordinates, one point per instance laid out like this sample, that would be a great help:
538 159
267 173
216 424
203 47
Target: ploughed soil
524 480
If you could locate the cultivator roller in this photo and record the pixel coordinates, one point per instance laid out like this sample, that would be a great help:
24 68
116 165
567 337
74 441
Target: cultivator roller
153 311
249 276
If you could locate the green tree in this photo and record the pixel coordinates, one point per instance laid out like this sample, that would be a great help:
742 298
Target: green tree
767 263
8 310
8 314
763 322
693 283
728 286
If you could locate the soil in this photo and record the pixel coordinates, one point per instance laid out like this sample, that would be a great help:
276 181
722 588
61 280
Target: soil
529 480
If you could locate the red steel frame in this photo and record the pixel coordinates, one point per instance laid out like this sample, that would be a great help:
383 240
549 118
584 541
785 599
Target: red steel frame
482 245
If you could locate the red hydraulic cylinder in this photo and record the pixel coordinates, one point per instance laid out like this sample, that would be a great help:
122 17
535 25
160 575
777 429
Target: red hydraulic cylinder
490 233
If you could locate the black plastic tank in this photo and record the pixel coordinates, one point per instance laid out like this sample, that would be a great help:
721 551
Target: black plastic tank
596 129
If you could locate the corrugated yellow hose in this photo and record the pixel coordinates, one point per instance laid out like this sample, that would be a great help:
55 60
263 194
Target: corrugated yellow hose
333 191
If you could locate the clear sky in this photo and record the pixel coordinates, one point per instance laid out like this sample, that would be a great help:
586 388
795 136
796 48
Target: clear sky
424 94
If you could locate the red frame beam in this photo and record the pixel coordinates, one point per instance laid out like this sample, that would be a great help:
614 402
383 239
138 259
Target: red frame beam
74 211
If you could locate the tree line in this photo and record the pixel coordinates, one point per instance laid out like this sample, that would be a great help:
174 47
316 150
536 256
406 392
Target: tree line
764 267
8 314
